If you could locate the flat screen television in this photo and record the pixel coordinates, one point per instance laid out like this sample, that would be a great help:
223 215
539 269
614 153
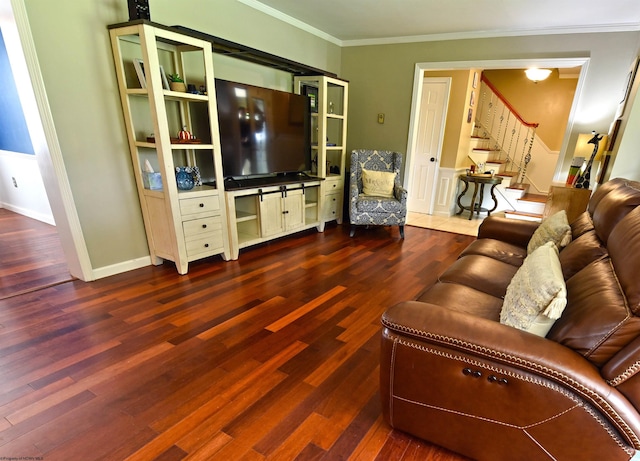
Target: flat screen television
263 132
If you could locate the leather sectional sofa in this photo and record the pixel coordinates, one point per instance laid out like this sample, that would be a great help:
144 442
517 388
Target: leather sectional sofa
452 374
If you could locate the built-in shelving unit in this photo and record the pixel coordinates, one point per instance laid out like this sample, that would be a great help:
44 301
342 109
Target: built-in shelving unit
181 225
329 99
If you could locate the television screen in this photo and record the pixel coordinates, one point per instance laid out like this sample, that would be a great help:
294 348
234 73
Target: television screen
262 131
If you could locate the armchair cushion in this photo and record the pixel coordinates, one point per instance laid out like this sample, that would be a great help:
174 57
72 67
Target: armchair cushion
378 183
367 204
536 295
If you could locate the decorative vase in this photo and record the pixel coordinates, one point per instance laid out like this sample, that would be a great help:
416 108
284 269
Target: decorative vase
178 86
184 178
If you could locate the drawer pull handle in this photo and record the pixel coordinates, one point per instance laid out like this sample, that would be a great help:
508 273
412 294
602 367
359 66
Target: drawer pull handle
204 226
202 205
206 245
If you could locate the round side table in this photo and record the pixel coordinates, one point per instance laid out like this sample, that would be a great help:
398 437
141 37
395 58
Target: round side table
478 182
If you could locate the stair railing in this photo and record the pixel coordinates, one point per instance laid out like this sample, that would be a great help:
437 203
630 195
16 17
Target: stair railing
510 135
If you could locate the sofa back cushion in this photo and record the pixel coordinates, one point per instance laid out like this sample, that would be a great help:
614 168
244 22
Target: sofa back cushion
603 301
581 225
620 198
602 191
624 248
581 252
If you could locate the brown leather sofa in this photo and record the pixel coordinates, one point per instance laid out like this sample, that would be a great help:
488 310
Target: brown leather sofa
452 374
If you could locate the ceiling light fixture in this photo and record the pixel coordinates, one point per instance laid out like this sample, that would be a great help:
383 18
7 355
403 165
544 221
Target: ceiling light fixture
536 75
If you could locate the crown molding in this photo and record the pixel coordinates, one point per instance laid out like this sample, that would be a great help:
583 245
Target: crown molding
291 21
603 28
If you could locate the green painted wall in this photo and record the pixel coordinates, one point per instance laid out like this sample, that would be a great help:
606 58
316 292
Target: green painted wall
74 54
382 76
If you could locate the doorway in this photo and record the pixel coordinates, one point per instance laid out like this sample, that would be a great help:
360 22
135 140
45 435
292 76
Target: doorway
26 71
426 160
445 179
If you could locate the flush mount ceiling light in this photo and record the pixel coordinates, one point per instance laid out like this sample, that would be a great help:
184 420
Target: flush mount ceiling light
537 75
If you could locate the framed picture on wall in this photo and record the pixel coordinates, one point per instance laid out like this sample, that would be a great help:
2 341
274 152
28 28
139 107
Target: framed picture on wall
627 87
475 79
470 115
613 134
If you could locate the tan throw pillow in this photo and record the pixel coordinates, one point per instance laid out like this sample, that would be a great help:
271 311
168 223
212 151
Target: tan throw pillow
378 183
554 229
537 294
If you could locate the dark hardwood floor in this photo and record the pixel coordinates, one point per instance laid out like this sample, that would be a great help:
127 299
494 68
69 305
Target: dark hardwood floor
274 356
31 256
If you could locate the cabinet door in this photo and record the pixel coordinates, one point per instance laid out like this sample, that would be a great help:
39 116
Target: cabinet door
293 210
271 217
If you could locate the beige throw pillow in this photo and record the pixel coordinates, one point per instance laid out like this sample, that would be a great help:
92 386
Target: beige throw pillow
378 183
554 229
537 294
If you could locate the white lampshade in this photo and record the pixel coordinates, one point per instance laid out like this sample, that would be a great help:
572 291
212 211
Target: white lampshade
537 75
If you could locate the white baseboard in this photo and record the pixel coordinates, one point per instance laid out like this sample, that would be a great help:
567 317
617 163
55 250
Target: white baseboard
119 268
45 218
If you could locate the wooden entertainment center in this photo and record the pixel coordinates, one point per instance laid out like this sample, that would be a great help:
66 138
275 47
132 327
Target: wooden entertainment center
257 215
169 130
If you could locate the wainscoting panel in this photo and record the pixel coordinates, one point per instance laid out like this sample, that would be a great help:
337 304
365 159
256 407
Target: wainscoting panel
445 204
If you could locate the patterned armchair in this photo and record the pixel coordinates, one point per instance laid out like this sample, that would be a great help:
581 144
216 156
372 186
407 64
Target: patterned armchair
373 210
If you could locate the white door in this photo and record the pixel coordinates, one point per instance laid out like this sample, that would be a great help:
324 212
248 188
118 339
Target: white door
426 157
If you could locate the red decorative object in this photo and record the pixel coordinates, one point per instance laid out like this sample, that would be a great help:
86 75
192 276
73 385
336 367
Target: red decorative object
184 135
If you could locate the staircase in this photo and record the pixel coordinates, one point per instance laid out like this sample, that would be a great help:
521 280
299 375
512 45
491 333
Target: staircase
501 142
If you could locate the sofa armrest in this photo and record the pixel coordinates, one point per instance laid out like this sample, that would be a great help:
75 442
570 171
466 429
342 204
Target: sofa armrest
504 346
622 371
515 231
458 330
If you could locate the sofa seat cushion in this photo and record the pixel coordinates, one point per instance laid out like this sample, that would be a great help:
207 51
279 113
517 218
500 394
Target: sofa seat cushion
462 298
497 249
370 204
480 273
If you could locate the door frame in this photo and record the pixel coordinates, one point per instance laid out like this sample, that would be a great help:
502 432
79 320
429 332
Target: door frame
422 68
426 79
45 142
